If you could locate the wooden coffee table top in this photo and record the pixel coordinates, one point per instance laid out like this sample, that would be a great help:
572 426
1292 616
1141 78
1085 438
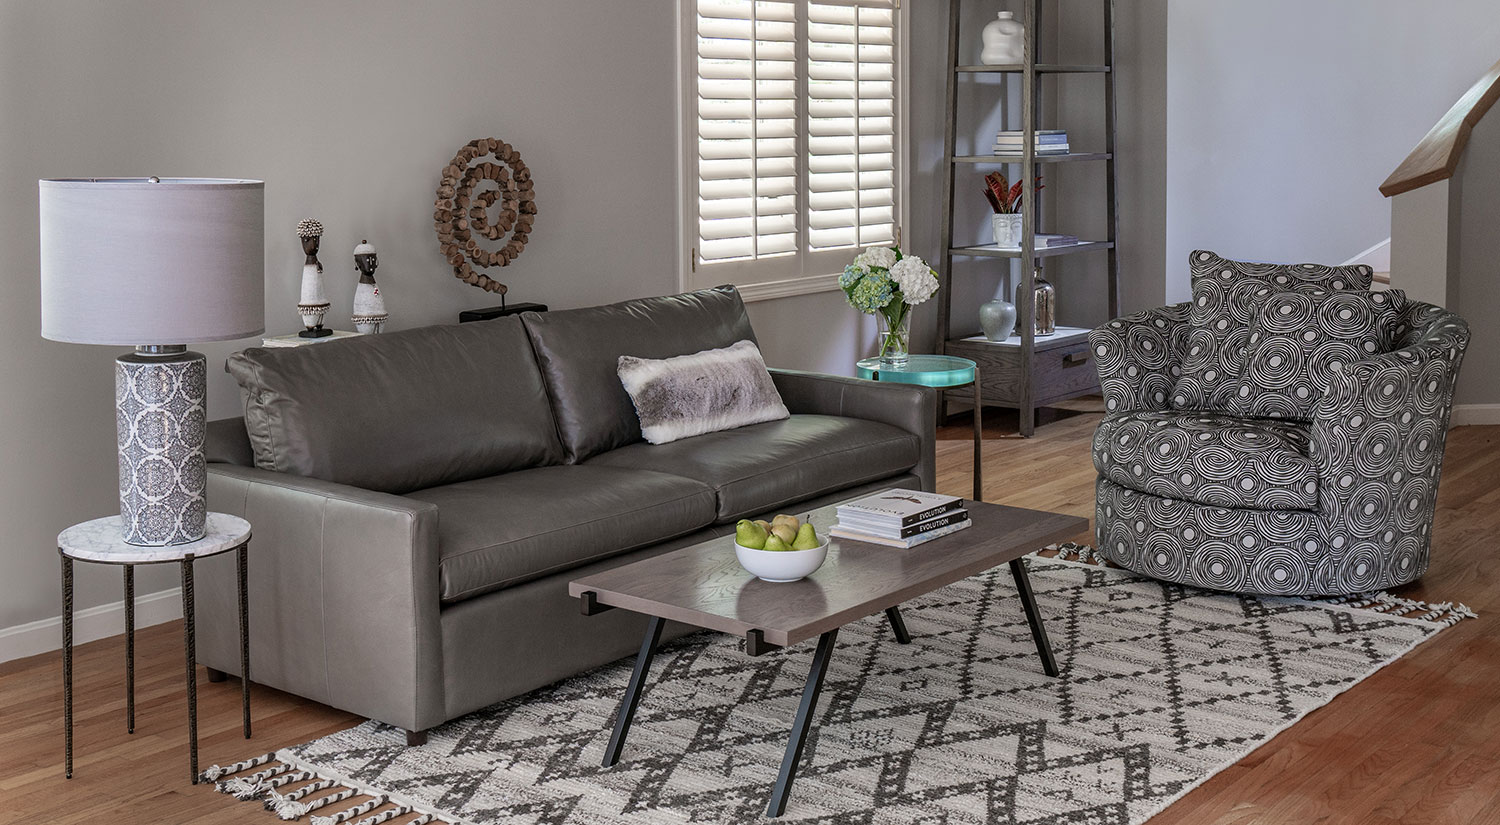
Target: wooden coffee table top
705 586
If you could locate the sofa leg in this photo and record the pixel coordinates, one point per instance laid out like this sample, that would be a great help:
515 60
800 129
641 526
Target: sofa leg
216 675
416 738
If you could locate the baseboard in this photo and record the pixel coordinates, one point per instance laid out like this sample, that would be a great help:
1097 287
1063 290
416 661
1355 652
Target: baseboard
1465 415
89 625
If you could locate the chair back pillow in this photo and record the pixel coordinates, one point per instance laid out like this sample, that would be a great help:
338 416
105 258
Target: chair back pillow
1226 295
708 391
400 411
1299 339
579 352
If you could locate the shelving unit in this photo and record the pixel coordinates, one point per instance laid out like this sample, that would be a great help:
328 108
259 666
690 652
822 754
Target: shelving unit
1027 371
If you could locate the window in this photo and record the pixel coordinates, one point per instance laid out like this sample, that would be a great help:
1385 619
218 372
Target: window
792 140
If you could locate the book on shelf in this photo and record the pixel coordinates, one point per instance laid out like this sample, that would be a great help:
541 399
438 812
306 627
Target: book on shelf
857 525
1060 135
839 532
898 507
1059 149
1047 241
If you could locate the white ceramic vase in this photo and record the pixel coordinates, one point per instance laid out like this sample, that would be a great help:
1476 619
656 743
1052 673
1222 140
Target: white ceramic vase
1007 228
1004 41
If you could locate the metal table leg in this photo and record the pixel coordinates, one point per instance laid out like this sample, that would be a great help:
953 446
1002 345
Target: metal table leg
898 625
189 646
130 648
802 724
243 565
67 587
978 438
1033 616
633 691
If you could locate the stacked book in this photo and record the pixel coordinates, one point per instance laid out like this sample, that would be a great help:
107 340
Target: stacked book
900 518
1044 241
1047 141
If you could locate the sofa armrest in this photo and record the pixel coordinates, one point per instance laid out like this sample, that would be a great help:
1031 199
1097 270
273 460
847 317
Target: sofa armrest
909 407
1378 433
344 594
1139 357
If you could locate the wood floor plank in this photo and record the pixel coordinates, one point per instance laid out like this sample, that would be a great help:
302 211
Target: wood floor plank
1417 742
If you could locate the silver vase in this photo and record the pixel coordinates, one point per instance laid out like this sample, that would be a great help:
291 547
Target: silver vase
1043 306
998 319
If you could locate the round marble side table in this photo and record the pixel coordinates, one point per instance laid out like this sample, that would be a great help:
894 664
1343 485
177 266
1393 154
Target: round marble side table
99 541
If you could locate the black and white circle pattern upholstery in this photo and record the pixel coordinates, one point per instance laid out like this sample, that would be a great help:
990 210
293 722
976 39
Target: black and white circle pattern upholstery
1226 297
1375 442
1298 339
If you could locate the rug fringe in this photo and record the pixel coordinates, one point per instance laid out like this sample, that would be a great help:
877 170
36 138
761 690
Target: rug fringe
235 780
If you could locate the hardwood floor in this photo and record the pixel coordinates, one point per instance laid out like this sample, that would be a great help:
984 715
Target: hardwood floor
1417 742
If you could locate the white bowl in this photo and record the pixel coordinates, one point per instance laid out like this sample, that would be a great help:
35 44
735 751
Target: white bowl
781 565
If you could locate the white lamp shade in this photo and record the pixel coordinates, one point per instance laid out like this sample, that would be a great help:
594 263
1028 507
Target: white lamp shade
126 261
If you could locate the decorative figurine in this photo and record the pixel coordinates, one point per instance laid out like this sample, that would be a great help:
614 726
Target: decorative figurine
369 305
314 303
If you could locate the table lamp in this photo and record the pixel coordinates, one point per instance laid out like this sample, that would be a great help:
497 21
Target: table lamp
155 263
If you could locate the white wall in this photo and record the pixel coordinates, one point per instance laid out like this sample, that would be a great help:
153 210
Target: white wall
1284 116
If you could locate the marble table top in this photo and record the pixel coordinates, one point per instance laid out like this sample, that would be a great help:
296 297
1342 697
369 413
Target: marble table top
99 540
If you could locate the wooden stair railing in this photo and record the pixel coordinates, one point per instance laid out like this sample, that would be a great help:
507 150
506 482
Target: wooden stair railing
1436 155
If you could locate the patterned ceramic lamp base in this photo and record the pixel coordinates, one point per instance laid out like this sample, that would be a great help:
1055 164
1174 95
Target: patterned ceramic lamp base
161 417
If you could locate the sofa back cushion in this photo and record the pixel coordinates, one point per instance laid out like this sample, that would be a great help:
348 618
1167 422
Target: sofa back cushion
400 411
579 352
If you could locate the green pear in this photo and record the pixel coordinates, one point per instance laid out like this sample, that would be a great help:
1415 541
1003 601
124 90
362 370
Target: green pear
764 525
749 534
775 544
807 538
785 532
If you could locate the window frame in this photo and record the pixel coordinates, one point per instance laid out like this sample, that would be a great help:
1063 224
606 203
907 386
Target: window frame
691 277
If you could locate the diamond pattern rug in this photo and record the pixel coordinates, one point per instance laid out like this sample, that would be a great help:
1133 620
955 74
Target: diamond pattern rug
1162 686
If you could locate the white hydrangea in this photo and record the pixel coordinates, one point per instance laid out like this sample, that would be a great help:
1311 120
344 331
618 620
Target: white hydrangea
916 279
880 256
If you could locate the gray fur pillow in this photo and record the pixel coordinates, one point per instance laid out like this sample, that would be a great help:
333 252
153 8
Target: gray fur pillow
708 391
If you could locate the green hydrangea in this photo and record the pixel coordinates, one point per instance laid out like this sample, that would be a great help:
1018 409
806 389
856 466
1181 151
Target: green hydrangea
851 275
872 293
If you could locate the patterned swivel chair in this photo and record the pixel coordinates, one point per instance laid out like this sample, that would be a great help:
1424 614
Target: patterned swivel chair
1282 433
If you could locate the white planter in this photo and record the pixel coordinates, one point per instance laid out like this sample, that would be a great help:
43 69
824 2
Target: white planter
1007 229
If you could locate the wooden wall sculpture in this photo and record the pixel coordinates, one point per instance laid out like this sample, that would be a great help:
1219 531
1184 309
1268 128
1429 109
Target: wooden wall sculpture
463 217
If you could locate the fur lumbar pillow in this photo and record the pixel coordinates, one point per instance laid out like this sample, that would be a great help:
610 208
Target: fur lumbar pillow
708 391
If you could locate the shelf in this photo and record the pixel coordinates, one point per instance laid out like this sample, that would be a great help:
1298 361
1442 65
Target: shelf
1041 68
1061 158
1062 337
992 251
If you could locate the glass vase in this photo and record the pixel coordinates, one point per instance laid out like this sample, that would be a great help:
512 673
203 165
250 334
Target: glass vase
895 338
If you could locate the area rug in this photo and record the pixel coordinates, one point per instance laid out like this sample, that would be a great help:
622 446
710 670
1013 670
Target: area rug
1162 686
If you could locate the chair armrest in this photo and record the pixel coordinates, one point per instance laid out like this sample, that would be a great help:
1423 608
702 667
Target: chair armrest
909 407
344 594
1139 357
1378 433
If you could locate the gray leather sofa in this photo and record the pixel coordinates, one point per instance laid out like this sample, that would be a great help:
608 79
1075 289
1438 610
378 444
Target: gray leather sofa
420 499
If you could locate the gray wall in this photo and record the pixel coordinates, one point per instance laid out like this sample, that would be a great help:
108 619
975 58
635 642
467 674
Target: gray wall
1478 198
1285 116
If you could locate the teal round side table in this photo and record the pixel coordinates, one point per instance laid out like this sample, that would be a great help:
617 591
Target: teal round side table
941 372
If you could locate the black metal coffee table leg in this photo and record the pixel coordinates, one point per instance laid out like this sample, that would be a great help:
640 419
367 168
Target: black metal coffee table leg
633 692
1033 616
898 625
802 724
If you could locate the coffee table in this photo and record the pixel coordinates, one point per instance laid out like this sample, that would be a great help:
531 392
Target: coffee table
705 586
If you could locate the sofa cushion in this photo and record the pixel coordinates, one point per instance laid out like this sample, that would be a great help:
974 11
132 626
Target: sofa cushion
764 466
1299 339
400 411
1225 297
500 531
579 351
1216 460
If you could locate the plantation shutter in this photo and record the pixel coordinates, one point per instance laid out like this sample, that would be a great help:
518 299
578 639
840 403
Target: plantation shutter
794 121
